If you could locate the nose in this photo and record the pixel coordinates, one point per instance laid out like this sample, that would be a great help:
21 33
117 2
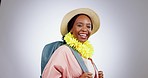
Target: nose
84 28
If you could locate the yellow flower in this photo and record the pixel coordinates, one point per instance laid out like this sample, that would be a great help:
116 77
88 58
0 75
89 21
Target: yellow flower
85 49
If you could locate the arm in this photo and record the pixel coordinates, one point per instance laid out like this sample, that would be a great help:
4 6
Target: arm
56 66
62 64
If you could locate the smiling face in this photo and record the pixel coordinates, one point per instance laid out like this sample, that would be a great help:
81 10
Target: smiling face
82 28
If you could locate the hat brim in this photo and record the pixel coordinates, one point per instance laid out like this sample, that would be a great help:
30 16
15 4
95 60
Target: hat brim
94 18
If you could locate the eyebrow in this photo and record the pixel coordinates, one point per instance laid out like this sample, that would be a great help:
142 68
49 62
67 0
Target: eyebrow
82 23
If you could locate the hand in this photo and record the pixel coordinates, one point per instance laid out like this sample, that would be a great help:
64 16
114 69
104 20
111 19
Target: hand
86 75
100 74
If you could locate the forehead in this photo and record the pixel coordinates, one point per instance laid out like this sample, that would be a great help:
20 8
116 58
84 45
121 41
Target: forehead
83 18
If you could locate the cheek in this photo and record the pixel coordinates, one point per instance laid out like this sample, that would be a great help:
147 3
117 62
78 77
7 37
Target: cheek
74 29
89 30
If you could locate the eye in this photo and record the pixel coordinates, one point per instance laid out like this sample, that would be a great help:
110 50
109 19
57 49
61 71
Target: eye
79 25
89 26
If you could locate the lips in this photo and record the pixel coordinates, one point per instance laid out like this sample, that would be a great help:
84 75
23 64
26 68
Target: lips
84 36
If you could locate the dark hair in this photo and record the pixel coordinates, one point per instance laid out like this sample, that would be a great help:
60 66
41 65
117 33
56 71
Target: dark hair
71 22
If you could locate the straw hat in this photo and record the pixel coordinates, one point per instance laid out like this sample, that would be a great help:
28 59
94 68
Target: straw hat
94 17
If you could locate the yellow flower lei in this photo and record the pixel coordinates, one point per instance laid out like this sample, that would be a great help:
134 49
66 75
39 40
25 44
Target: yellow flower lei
85 49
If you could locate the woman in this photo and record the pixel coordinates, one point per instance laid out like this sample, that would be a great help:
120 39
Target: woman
77 26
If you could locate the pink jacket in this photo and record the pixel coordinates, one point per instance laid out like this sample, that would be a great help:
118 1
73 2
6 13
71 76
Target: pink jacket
63 64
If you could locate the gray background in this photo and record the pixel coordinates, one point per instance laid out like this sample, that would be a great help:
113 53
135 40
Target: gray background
121 44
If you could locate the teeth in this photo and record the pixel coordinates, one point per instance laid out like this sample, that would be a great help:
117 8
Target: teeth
82 34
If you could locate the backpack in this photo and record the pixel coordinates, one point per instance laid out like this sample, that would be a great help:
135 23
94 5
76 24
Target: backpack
49 49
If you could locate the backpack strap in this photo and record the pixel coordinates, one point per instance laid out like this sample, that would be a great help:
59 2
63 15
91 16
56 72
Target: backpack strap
79 59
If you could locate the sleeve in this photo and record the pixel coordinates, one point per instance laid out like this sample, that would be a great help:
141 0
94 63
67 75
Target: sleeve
57 65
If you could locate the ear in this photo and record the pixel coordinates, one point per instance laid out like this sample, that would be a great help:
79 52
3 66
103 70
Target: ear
71 31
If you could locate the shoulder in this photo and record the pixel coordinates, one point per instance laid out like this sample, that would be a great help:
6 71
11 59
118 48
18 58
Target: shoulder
63 53
64 49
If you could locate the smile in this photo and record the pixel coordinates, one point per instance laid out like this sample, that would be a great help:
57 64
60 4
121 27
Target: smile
83 35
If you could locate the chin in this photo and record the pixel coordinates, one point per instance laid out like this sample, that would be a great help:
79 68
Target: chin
82 41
